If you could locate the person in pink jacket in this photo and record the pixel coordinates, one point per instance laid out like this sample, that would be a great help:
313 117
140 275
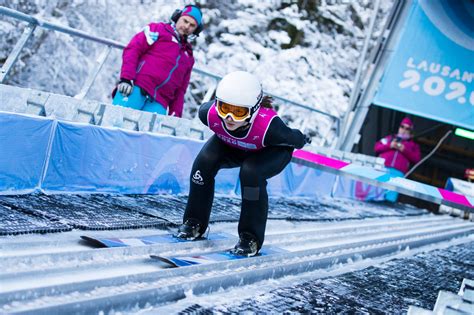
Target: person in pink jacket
399 152
157 65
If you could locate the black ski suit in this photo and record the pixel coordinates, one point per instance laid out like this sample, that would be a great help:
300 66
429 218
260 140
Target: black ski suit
255 168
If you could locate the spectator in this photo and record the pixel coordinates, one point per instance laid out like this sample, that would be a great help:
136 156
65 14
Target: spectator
248 135
157 64
399 151
469 174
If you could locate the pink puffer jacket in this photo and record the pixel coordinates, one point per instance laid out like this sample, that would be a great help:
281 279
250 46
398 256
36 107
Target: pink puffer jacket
395 158
158 62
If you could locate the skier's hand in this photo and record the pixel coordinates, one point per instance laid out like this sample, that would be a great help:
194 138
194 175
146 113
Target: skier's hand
125 87
307 139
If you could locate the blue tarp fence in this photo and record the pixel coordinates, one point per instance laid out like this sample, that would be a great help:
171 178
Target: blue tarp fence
53 156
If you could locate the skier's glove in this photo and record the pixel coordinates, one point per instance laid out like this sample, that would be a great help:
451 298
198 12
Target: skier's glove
307 139
125 87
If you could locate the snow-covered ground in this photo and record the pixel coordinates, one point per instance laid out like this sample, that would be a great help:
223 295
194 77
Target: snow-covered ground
374 286
337 252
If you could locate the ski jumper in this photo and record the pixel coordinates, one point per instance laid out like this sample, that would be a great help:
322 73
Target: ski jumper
261 151
159 62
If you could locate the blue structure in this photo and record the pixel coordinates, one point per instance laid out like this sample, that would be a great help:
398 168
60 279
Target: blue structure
431 73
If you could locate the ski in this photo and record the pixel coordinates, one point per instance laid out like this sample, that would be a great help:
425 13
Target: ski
147 240
213 257
381 179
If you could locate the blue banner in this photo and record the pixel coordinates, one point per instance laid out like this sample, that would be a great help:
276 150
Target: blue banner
23 151
86 158
354 189
431 72
42 154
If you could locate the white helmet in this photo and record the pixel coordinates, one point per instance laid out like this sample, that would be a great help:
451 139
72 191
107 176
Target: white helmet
240 88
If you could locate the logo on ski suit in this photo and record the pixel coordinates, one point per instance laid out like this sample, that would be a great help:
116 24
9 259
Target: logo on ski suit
197 178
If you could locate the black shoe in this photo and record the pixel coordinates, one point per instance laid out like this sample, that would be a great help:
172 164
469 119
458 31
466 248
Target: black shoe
247 246
189 230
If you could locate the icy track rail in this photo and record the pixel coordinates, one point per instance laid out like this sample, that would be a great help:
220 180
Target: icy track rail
85 280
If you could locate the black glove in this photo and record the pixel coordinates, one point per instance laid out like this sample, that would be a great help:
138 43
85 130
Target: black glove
307 139
125 87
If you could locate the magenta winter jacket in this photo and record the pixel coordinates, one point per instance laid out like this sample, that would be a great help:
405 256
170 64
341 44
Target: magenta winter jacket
395 158
159 63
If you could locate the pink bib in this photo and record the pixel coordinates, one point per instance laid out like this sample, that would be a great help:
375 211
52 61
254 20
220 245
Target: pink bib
253 140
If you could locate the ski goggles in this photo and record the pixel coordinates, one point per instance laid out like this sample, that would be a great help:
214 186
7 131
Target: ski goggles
238 113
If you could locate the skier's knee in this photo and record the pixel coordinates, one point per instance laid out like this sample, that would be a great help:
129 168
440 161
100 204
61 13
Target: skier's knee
249 175
206 167
205 158
250 193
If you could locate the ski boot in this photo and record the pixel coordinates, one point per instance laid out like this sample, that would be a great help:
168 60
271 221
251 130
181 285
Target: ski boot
189 230
247 246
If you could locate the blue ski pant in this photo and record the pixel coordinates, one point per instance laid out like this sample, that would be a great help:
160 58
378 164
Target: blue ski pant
140 101
390 195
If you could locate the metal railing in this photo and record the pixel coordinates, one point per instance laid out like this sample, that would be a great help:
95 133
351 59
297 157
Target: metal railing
368 74
33 23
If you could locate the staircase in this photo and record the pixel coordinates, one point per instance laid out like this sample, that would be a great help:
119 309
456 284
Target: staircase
449 303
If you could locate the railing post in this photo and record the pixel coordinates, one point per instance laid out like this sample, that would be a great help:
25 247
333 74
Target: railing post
358 78
337 122
210 92
8 65
93 74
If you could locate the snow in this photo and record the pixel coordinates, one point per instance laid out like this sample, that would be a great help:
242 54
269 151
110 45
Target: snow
73 274
261 292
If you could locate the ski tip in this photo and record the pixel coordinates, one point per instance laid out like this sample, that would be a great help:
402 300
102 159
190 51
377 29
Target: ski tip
92 241
168 263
